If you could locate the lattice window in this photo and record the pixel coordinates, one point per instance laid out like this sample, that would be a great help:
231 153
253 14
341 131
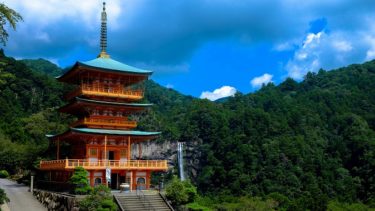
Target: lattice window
123 153
93 152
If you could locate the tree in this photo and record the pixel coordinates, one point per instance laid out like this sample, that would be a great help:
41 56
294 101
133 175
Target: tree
181 192
79 179
7 15
100 199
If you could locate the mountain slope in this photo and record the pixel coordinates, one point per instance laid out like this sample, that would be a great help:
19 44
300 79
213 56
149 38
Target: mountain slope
301 144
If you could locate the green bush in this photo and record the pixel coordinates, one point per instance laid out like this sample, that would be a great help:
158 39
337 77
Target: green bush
100 199
4 174
79 179
197 207
338 206
181 192
3 197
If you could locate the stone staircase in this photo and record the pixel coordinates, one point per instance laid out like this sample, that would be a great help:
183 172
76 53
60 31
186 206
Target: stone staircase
141 201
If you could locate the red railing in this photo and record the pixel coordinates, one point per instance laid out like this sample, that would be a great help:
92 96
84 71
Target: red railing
106 121
160 165
106 91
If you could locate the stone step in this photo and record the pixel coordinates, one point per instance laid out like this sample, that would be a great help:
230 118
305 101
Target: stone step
133 202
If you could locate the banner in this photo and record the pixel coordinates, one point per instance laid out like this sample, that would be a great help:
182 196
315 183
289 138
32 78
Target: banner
108 174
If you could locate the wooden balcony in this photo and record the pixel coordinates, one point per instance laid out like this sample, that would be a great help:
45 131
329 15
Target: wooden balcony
70 164
105 122
106 91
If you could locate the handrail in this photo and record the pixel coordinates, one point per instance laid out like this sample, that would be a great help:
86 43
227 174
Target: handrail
106 91
143 198
118 203
111 89
105 121
72 163
166 201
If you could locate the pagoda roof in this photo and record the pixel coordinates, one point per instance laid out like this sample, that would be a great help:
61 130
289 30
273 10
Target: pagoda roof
91 131
77 107
103 64
115 132
113 65
113 103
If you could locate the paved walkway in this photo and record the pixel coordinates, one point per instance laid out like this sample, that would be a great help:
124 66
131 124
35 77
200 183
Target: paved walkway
20 197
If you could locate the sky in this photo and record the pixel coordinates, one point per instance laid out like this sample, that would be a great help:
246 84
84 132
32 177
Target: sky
204 48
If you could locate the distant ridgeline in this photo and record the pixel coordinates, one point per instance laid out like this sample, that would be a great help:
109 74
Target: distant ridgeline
304 143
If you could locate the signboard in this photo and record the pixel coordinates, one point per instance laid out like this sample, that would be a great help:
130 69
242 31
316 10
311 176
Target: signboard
108 174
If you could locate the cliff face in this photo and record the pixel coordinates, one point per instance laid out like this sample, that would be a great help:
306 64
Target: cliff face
167 150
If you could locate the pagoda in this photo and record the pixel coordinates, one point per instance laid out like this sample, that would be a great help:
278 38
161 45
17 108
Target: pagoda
106 98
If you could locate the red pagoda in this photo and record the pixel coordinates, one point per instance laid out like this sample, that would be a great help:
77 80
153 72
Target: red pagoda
101 139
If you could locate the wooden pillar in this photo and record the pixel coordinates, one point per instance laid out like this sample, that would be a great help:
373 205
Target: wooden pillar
105 160
105 148
129 149
58 149
148 180
134 180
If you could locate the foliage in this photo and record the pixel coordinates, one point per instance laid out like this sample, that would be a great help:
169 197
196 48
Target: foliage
194 206
42 66
300 144
4 174
7 15
79 179
100 199
3 197
339 206
28 111
180 192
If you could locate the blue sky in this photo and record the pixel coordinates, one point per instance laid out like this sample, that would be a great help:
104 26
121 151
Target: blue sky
205 48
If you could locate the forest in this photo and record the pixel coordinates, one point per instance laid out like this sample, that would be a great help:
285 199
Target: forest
305 145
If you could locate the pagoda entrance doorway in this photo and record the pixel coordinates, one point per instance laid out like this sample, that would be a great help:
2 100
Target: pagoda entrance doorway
111 155
114 180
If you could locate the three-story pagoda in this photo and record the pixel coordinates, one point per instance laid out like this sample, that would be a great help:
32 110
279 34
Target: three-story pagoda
106 96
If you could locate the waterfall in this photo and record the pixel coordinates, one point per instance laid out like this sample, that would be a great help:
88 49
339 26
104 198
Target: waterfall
180 157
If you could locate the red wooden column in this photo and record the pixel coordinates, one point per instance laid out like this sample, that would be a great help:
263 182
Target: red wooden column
148 180
134 180
129 149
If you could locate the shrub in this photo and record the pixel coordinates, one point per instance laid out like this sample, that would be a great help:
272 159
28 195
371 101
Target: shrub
79 179
181 192
4 174
99 199
3 197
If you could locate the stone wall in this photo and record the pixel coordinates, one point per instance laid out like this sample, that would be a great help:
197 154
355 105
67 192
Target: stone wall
167 150
57 201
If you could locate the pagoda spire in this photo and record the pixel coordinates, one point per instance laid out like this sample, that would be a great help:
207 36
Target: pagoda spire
103 35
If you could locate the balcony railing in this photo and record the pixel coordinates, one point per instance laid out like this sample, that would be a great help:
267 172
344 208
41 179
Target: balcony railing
156 165
106 91
101 122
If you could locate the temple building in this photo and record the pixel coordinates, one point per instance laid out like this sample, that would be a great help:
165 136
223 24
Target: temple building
105 102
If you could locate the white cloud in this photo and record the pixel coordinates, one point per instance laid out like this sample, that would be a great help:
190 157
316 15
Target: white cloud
264 79
49 11
286 46
342 45
224 91
169 86
328 51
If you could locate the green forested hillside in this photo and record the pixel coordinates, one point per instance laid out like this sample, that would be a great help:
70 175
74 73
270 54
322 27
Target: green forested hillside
300 144
42 66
